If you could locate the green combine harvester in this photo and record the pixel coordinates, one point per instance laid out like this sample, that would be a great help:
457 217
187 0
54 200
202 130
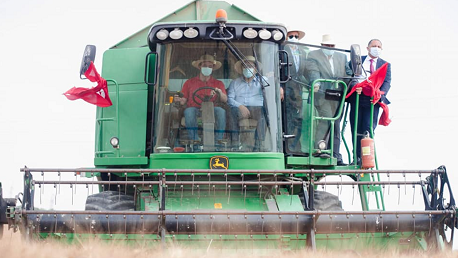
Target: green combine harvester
259 182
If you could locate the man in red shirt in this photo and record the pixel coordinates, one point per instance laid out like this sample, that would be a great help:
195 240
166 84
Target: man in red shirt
194 95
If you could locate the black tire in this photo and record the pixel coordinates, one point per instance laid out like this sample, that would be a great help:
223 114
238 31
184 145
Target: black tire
110 201
325 201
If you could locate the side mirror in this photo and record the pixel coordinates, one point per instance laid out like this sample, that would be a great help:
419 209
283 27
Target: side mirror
355 57
88 57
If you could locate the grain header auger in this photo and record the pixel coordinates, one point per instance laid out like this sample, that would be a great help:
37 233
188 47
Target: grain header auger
268 183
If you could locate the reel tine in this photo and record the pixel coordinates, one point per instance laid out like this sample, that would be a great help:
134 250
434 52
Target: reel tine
71 186
242 182
353 195
108 224
175 185
92 185
125 187
341 183
181 199
244 198
388 175
324 175
292 190
405 183
55 196
192 187
39 186
76 179
119 192
43 181
276 186
209 184
229 195
430 223
214 194
399 194
297 226
413 195
58 173
143 180
198 193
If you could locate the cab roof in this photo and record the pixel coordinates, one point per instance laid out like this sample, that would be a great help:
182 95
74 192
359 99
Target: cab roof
195 11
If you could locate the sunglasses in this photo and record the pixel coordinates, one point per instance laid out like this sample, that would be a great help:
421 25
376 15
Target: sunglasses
293 36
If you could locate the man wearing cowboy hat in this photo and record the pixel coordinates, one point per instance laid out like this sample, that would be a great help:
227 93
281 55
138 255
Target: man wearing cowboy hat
326 63
293 89
245 97
206 64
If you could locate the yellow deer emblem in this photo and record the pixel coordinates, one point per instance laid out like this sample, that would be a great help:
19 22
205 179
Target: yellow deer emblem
219 162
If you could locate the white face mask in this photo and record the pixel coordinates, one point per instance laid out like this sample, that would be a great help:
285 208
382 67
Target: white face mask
328 52
206 71
248 72
293 40
375 51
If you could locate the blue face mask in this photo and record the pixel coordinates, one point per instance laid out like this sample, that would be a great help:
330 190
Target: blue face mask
248 72
328 52
375 51
206 71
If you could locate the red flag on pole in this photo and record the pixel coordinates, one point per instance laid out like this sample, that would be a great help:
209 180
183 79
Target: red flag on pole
97 95
371 88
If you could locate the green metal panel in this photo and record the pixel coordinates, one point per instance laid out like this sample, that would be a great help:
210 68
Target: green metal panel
289 203
194 11
126 67
202 160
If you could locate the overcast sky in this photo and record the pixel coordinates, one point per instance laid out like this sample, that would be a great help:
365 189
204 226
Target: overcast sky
41 44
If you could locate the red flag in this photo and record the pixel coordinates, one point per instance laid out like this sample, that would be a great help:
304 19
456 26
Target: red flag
371 88
97 95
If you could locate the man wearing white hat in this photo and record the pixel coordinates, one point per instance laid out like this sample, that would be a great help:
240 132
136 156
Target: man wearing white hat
293 90
328 64
206 64
246 99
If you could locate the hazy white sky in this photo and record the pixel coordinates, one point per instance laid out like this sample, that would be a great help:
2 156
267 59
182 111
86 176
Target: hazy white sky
41 44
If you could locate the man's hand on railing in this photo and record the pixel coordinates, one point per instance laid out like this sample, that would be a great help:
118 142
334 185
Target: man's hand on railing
359 90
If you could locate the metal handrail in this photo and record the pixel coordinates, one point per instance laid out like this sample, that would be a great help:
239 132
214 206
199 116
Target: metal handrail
101 119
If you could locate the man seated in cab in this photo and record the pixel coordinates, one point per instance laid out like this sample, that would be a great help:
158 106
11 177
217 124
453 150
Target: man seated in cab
194 94
245 98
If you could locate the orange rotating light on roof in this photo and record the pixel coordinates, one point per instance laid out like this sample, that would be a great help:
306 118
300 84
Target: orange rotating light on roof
221 15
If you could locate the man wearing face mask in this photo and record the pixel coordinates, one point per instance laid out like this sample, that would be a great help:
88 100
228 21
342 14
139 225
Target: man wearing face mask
245 98
206 64
370 63
294 88
326 63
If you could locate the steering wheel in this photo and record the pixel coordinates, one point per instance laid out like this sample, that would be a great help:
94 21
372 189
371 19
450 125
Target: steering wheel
198 99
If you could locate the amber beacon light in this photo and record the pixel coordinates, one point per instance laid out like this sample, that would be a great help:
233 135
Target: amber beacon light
221 16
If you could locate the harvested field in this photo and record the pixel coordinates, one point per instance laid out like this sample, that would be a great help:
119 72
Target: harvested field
12 246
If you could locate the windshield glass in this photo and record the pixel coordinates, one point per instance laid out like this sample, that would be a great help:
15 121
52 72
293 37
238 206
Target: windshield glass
207 99
312 91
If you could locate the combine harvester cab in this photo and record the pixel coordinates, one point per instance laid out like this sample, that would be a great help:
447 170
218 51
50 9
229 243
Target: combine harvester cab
219 182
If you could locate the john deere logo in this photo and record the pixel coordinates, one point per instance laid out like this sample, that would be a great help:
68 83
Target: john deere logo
219 162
